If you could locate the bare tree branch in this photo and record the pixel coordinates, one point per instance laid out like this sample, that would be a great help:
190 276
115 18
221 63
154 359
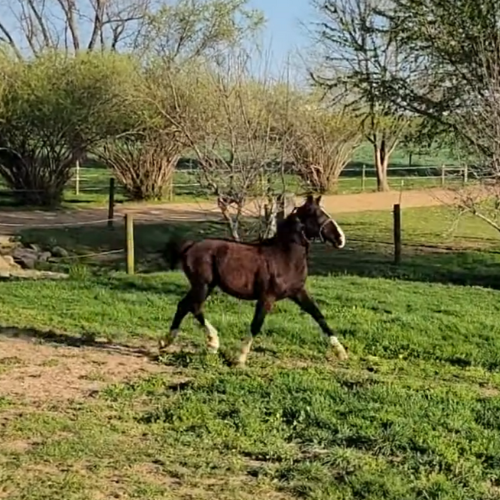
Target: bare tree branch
352 47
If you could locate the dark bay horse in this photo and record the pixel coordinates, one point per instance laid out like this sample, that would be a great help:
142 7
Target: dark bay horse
266 272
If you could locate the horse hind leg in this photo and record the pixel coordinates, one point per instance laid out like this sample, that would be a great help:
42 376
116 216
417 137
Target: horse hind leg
192 302
203 293
183 309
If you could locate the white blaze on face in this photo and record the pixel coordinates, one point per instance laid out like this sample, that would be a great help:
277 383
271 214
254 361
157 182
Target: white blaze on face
341 235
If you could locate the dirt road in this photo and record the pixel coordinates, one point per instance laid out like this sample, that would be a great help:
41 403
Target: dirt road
13 221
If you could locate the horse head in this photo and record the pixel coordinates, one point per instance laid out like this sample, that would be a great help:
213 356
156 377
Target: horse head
318 224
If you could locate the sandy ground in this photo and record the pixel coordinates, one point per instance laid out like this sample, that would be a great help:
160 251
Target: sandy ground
32 370
13 221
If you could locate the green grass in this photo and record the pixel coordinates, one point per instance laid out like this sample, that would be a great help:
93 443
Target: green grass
413 414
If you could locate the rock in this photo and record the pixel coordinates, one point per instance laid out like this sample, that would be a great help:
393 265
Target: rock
31 274
59 252
34 247
7 241
44 257
25 257
7 263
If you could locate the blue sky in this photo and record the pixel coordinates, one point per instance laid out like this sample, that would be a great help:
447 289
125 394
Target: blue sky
284 32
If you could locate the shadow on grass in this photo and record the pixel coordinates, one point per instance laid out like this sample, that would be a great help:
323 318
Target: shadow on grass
132 284
360 258
64 339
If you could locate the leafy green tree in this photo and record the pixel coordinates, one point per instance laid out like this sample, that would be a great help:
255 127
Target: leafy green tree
53 108
351 46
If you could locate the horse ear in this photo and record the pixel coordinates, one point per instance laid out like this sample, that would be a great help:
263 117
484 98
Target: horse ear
309 198
318 200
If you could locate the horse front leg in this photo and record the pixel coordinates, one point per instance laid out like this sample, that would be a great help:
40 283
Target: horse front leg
308 305
262 308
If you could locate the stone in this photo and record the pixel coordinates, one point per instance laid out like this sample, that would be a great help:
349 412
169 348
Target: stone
31 274
7 263
34 247
7 241
59 252
25 257
44 257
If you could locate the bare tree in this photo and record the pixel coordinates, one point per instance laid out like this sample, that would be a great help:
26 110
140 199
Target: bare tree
36 25
230 128
322 143
478 120
179 30
143 163
351 45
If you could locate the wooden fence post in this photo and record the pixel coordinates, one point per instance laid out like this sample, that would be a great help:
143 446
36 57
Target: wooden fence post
363 178
129 235
397 233
466 174
111 202
443 174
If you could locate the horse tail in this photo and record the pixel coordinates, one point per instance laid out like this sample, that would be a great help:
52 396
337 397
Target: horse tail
174 251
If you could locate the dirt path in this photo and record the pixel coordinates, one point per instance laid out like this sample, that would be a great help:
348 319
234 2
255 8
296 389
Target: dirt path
13 221
32 370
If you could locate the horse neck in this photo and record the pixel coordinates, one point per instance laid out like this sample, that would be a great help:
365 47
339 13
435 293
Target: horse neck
289 245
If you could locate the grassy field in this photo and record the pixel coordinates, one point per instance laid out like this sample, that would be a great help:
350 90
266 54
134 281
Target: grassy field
424 172
413 414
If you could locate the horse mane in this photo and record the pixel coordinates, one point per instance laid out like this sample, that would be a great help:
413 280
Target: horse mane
289 230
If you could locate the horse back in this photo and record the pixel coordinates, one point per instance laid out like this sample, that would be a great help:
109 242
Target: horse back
246 271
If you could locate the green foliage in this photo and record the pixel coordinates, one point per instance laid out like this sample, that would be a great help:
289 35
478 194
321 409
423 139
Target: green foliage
448 54
53 108
144 159
197 29
321 143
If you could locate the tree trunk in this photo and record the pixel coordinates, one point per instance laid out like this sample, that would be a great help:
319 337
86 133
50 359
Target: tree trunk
270 218
381 164
232 221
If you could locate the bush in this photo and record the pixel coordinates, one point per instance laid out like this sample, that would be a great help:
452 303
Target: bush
322 143
53 109
144 165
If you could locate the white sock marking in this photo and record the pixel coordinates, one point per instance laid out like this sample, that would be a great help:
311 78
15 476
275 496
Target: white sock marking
245 349
338 347
213 337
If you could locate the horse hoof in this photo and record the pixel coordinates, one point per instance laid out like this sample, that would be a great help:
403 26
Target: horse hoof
163 345
237 363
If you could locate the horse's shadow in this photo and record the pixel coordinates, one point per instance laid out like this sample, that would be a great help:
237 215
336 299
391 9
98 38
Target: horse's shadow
64 339
169 288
